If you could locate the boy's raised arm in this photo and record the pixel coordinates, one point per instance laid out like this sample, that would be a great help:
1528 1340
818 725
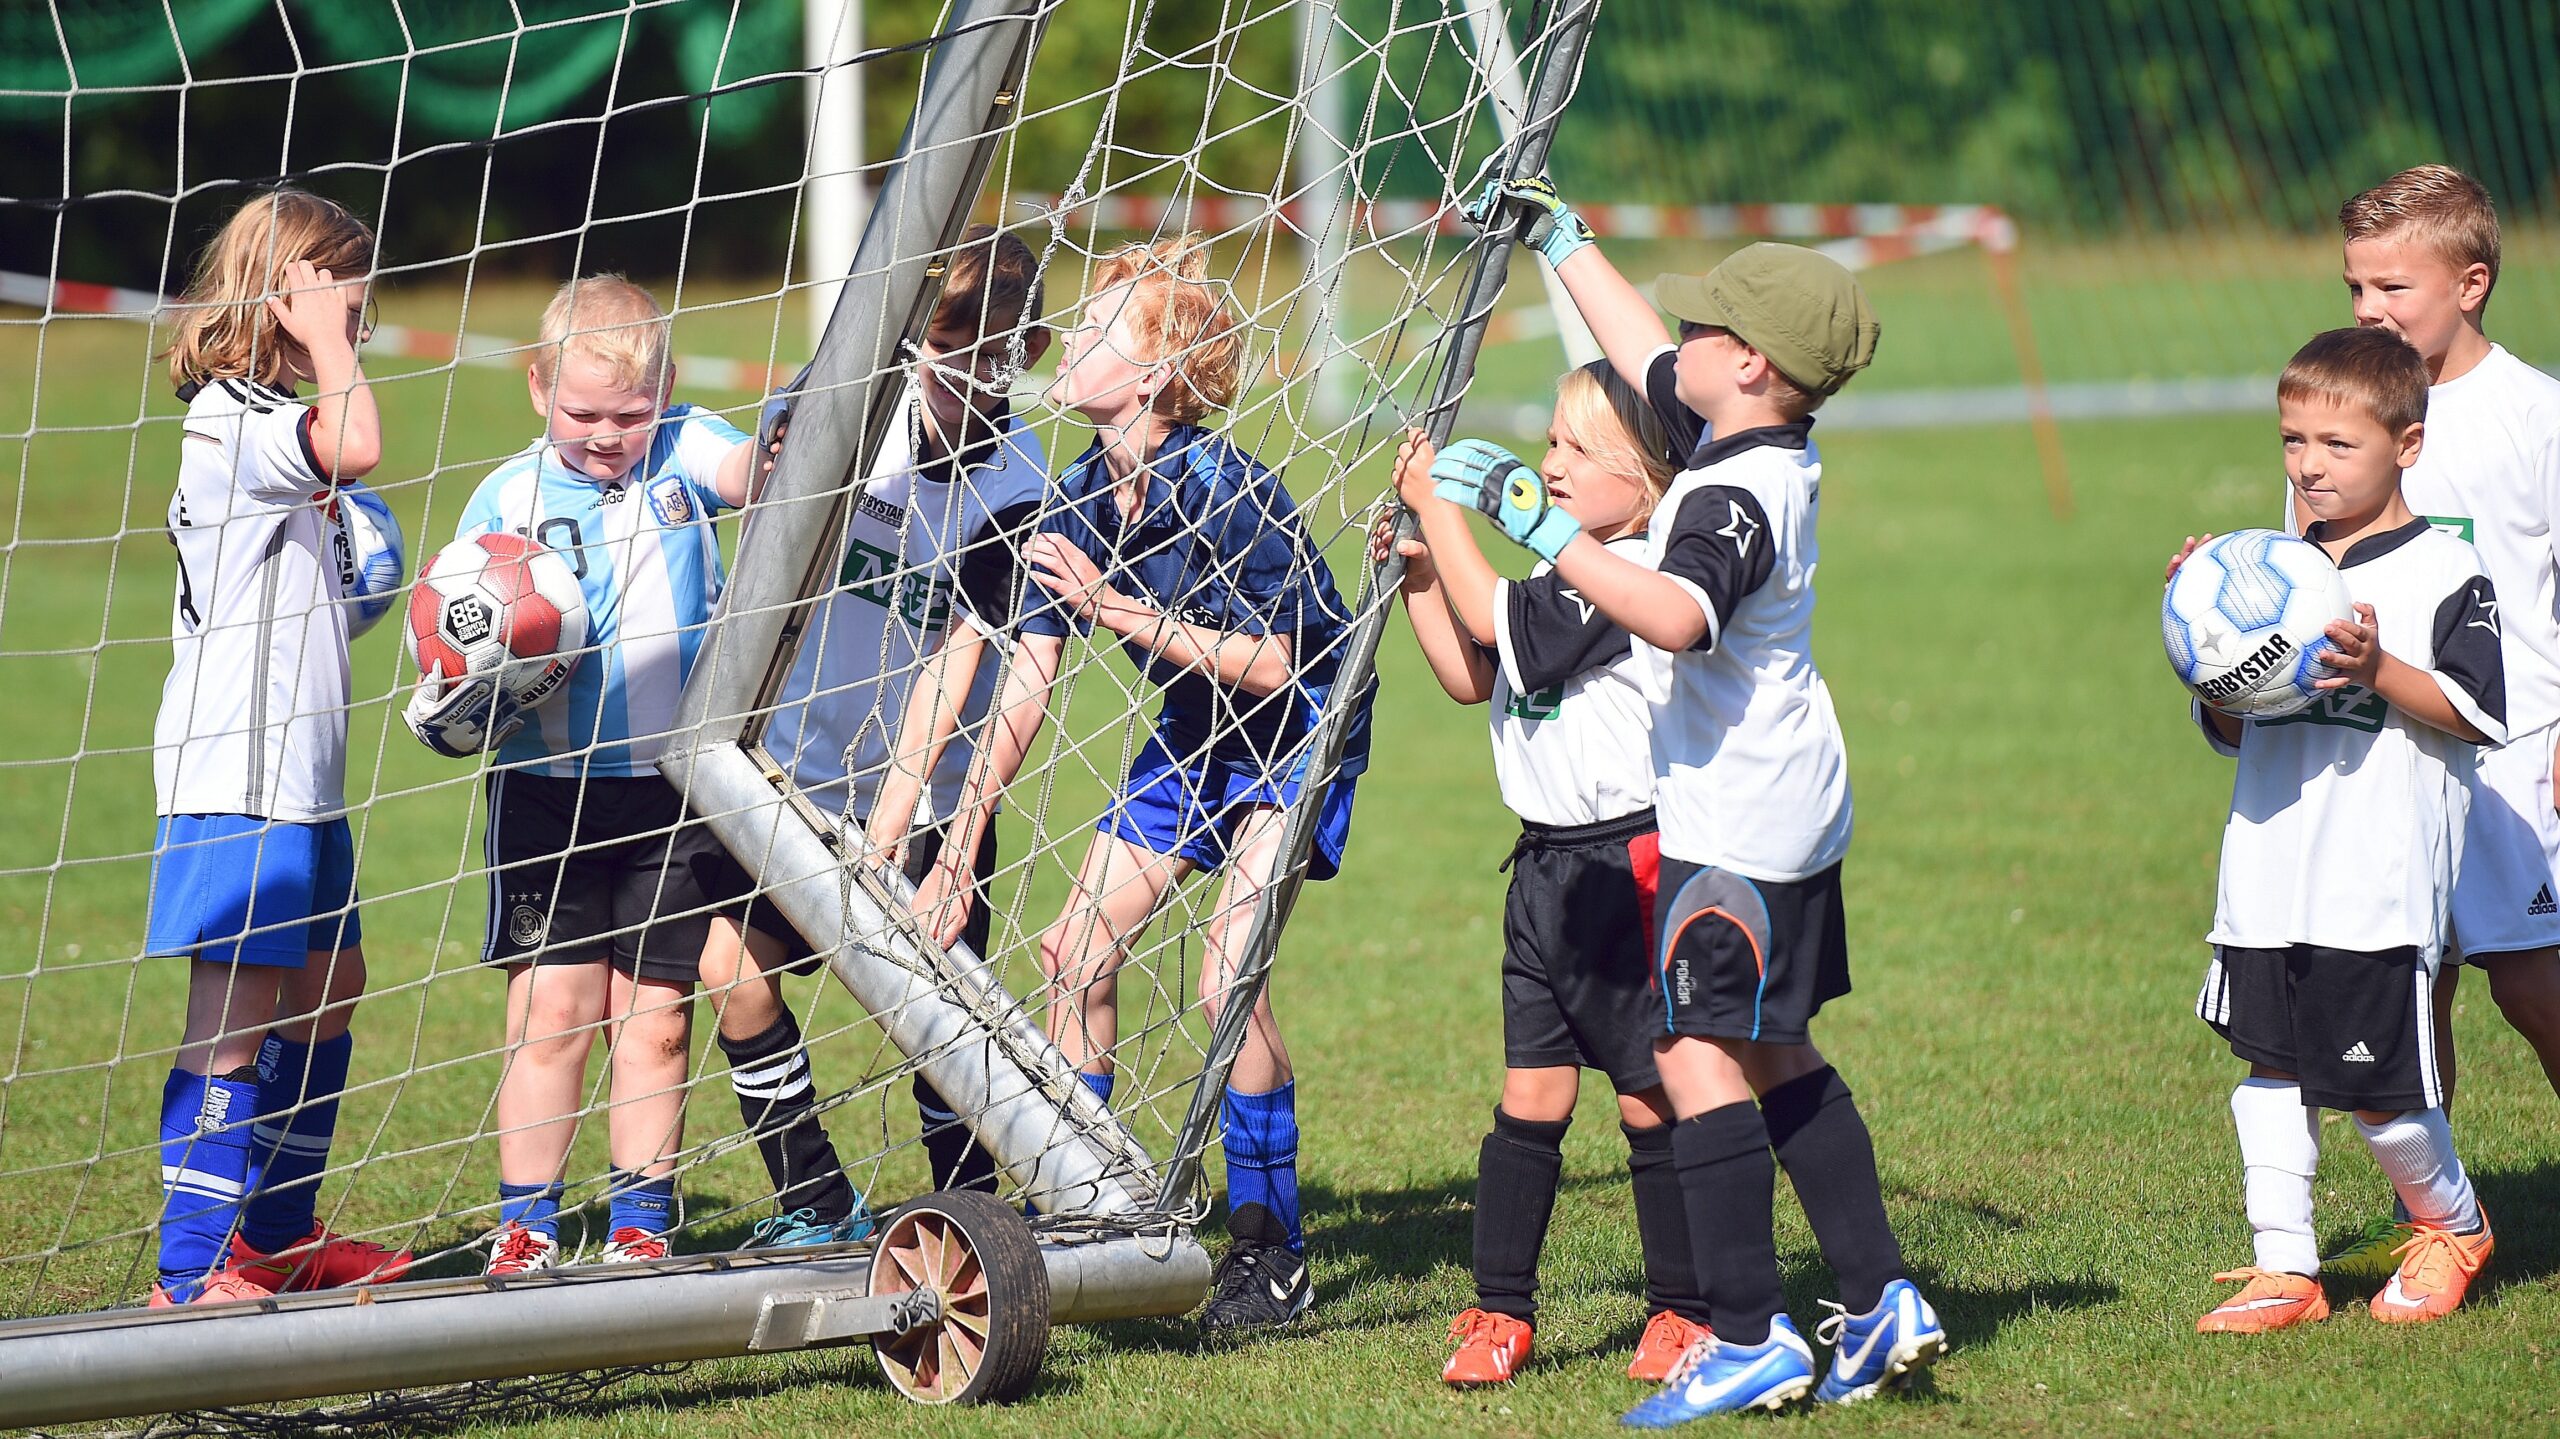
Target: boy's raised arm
1620 317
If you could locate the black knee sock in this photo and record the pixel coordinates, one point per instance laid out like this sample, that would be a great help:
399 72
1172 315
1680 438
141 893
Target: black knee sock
1662 1223
771 1075
958 1160
1516 1173
1728 1182
1822 1142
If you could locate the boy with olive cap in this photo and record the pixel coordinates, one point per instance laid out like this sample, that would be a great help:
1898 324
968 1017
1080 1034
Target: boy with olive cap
1752 788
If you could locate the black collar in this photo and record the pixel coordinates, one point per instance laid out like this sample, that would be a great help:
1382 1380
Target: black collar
977 454
2372 547
1794 435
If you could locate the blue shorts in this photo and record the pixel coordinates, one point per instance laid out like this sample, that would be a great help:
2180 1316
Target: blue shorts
1190 809
237 889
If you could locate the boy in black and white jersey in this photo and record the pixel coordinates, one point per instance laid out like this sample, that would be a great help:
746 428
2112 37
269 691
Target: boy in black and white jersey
1751 786
1573 753
2346 833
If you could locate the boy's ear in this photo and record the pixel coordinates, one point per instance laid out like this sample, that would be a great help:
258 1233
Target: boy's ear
1035 343
537 391
2471 288
2412 440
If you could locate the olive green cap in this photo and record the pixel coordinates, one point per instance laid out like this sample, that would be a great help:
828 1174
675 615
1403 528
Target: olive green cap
1799 307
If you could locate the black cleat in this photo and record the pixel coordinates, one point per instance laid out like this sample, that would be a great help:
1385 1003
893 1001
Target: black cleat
1261 1284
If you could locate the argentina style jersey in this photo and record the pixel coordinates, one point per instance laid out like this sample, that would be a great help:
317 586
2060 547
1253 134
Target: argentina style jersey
1750 771
2347 817
1572 729
648 562
920 543
1215 542
253 714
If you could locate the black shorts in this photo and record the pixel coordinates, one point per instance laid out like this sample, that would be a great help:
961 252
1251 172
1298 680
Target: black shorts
1577 950
2357 1026
733 894
599 869
1747 958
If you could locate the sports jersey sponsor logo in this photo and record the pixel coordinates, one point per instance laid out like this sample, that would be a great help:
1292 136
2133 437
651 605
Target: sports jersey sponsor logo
467 621
1536 704
2458 526
673 504
885 511
2248 672
877 575
2354 708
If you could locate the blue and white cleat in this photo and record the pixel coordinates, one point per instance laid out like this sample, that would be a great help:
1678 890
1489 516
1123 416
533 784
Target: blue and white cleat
802 1228
1880 1349
1715 1377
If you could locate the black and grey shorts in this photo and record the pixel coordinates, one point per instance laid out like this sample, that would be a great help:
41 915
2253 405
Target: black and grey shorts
2357 1026
595 869
1744 958
1577 950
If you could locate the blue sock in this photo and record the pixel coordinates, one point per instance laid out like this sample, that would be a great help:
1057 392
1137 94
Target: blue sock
1262 1155
204 1173
644 1204
535 1206
1100 1084
293 1148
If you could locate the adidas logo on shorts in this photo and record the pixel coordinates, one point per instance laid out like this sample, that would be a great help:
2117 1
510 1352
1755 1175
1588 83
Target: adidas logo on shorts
2542 903
2358 1055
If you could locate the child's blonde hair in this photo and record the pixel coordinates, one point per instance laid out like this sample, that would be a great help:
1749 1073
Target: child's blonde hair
1613 424
612 322
2437 206
1179 314
225 329
2364 367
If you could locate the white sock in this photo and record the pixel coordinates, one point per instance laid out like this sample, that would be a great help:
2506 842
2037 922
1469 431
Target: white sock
2279 1153
2416 1151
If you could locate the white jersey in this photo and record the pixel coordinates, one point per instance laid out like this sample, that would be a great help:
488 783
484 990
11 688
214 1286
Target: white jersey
253 718
648 563
918 536
2490 473
2347 818
1750 772
1572 729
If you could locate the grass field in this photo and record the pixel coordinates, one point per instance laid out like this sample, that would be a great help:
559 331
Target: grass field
2031 879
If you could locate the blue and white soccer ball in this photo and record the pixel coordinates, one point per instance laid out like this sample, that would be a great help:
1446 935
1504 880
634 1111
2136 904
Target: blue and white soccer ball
376 559
2243 622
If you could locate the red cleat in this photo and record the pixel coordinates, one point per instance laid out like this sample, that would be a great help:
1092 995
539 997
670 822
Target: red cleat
228 1286
1491 1348
321 1260
1667 1336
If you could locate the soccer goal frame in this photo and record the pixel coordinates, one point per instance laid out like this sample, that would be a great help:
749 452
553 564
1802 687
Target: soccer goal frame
1116 1241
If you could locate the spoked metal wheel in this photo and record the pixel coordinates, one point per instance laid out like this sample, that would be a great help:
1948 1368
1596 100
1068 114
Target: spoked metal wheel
980 1300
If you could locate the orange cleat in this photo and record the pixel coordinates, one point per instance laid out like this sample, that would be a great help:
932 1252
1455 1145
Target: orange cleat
2436 1268
2266 1301
321 1260
1491 1348
1667 1336
224 1287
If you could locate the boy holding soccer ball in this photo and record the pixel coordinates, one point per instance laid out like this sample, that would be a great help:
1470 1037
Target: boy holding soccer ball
594 908
1751 787
2421 259
2346 831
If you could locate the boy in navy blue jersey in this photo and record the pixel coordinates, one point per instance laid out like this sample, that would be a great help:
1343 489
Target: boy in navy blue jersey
1168 535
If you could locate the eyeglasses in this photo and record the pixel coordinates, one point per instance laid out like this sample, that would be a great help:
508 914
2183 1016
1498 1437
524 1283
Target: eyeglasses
371 316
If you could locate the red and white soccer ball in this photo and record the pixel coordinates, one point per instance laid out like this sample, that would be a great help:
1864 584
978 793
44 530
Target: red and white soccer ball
499 604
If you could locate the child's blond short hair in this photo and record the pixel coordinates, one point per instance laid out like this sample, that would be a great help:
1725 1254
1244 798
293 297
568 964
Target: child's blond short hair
611 322
1613 424
1178 313
225 329
2365 367
2437 206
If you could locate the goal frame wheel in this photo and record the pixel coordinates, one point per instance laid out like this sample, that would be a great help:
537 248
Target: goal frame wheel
988 1325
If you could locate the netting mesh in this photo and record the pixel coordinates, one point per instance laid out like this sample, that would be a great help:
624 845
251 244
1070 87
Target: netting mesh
1262 126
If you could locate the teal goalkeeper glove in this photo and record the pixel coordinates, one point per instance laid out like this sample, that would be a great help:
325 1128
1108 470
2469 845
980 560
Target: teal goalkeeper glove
1491 480
1555 231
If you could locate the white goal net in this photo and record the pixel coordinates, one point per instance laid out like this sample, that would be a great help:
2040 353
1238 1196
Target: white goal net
499 149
